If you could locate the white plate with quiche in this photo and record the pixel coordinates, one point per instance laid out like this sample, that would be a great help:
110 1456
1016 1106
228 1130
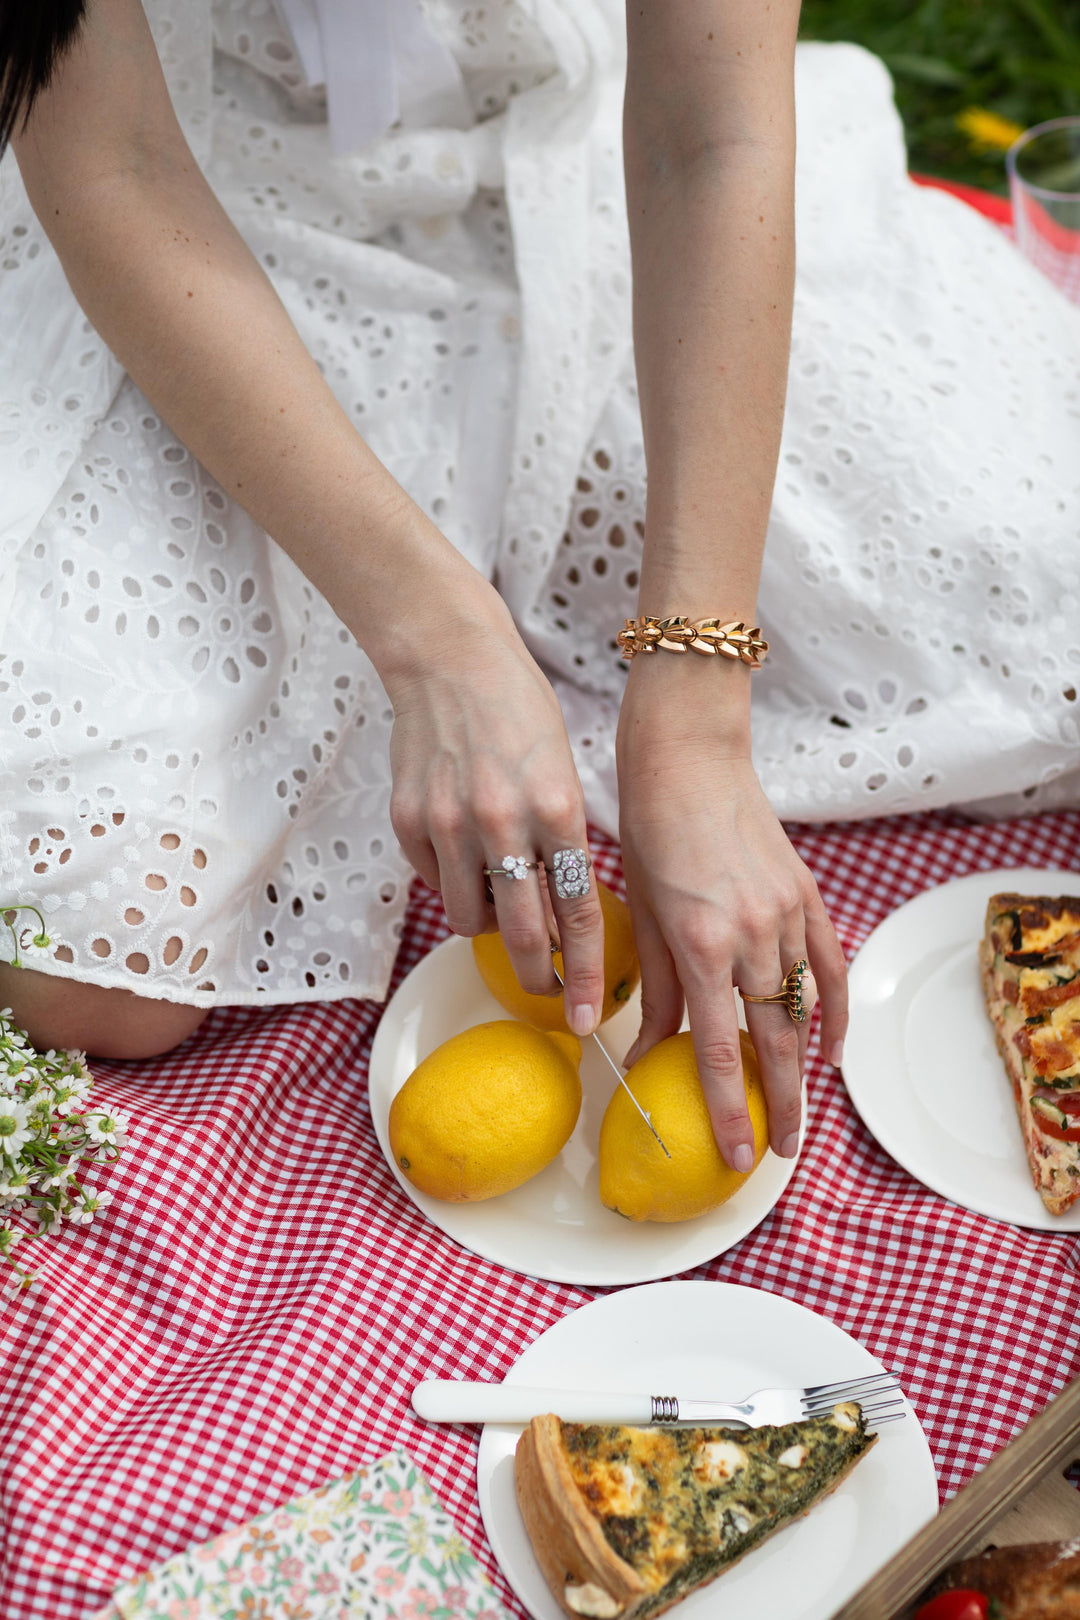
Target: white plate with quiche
553 1226
921 1063
706 1339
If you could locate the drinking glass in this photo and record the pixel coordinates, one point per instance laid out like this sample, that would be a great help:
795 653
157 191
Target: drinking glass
1044 182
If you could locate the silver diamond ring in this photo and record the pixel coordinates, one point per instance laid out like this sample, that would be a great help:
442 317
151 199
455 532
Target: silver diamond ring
570 868
513 866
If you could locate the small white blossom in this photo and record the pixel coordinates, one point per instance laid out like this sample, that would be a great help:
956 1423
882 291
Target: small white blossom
110 1128
69 1093
59 1177
34 944
14 1127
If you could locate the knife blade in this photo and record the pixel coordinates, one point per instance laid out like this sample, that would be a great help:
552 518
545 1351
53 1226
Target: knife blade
614 1066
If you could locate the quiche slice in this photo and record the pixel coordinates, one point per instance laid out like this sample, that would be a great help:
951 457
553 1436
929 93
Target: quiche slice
625 1522
1030 960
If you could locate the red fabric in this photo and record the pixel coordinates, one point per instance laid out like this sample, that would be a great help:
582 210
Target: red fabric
999 209
250 1317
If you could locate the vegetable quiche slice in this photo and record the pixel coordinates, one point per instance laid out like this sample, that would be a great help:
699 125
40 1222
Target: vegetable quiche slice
1030 959
625 1522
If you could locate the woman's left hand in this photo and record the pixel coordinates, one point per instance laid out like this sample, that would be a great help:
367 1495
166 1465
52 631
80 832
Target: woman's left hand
719 898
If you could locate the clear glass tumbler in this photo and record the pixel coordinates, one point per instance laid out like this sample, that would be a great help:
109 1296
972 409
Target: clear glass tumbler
1044 181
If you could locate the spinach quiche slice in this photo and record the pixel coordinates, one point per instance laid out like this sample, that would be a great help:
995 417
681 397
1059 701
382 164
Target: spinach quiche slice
625 1522
1030 960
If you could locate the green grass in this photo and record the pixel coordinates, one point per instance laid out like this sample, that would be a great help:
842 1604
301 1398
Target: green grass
1017 58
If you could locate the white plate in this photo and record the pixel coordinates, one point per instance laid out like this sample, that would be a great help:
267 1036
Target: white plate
555 1225
920 1061
699 1339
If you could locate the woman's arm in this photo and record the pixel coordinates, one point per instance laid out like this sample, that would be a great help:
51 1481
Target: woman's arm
482 766
719 896
171 287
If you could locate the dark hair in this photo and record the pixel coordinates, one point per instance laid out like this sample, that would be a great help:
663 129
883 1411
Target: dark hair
34 34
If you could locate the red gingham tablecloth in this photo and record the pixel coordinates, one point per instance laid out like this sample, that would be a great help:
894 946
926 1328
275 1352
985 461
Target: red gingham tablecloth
248 1320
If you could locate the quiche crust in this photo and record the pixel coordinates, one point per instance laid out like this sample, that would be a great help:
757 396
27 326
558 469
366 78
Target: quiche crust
625 1522
1029 960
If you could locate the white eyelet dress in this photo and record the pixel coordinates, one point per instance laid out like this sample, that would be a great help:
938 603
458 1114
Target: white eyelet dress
194 779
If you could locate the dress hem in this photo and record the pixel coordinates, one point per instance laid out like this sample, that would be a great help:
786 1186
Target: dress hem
374 990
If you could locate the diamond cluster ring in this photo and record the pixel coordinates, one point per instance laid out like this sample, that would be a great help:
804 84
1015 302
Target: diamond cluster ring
570 868
512 866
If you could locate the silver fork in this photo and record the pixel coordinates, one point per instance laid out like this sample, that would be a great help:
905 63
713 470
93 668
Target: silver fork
458 1401
878 1394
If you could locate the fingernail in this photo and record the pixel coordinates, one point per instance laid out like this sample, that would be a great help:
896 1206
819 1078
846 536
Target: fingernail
836 1056
742 1159
789 1146
583 1019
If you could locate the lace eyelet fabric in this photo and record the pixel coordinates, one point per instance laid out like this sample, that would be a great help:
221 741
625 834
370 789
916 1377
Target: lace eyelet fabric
194 777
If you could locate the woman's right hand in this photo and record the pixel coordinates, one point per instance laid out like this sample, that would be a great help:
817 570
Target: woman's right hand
482 769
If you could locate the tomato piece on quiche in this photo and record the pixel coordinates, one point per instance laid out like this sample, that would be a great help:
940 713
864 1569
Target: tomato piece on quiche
1030 961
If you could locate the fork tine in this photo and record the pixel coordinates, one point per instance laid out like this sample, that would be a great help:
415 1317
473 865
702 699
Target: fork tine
822 1397
814 1391
871 1413
875 1414
868 1409
888 1392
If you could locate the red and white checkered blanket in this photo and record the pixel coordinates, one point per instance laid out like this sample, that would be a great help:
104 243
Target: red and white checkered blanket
248 1320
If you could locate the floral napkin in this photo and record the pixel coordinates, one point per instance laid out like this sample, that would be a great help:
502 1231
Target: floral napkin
376 1545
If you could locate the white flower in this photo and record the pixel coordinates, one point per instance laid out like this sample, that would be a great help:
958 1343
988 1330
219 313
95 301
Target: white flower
31 944
14 1127
68 1093
106 1128
59 1178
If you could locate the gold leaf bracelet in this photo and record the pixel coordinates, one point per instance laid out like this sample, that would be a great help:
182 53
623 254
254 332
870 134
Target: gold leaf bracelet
706 636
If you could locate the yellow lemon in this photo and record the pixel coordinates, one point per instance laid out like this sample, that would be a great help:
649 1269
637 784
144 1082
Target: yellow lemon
622 971
636 1180
486 1110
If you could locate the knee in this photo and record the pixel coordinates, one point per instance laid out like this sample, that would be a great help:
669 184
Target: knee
104 1023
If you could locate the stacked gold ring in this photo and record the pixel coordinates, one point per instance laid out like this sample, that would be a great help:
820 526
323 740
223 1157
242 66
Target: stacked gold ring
790 993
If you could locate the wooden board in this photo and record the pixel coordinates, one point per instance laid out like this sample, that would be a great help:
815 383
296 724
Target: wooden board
1021 1495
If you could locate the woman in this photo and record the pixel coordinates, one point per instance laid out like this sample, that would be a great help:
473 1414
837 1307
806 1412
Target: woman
350 360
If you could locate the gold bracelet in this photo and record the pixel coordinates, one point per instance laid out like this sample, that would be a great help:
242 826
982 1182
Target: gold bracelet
705 636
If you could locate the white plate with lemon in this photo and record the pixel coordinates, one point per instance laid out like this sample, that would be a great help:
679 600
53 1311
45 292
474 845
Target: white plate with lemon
554 1225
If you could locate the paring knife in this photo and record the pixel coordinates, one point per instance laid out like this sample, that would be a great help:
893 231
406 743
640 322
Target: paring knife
617 1072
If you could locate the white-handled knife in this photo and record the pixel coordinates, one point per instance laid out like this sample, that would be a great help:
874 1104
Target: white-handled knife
444 1400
